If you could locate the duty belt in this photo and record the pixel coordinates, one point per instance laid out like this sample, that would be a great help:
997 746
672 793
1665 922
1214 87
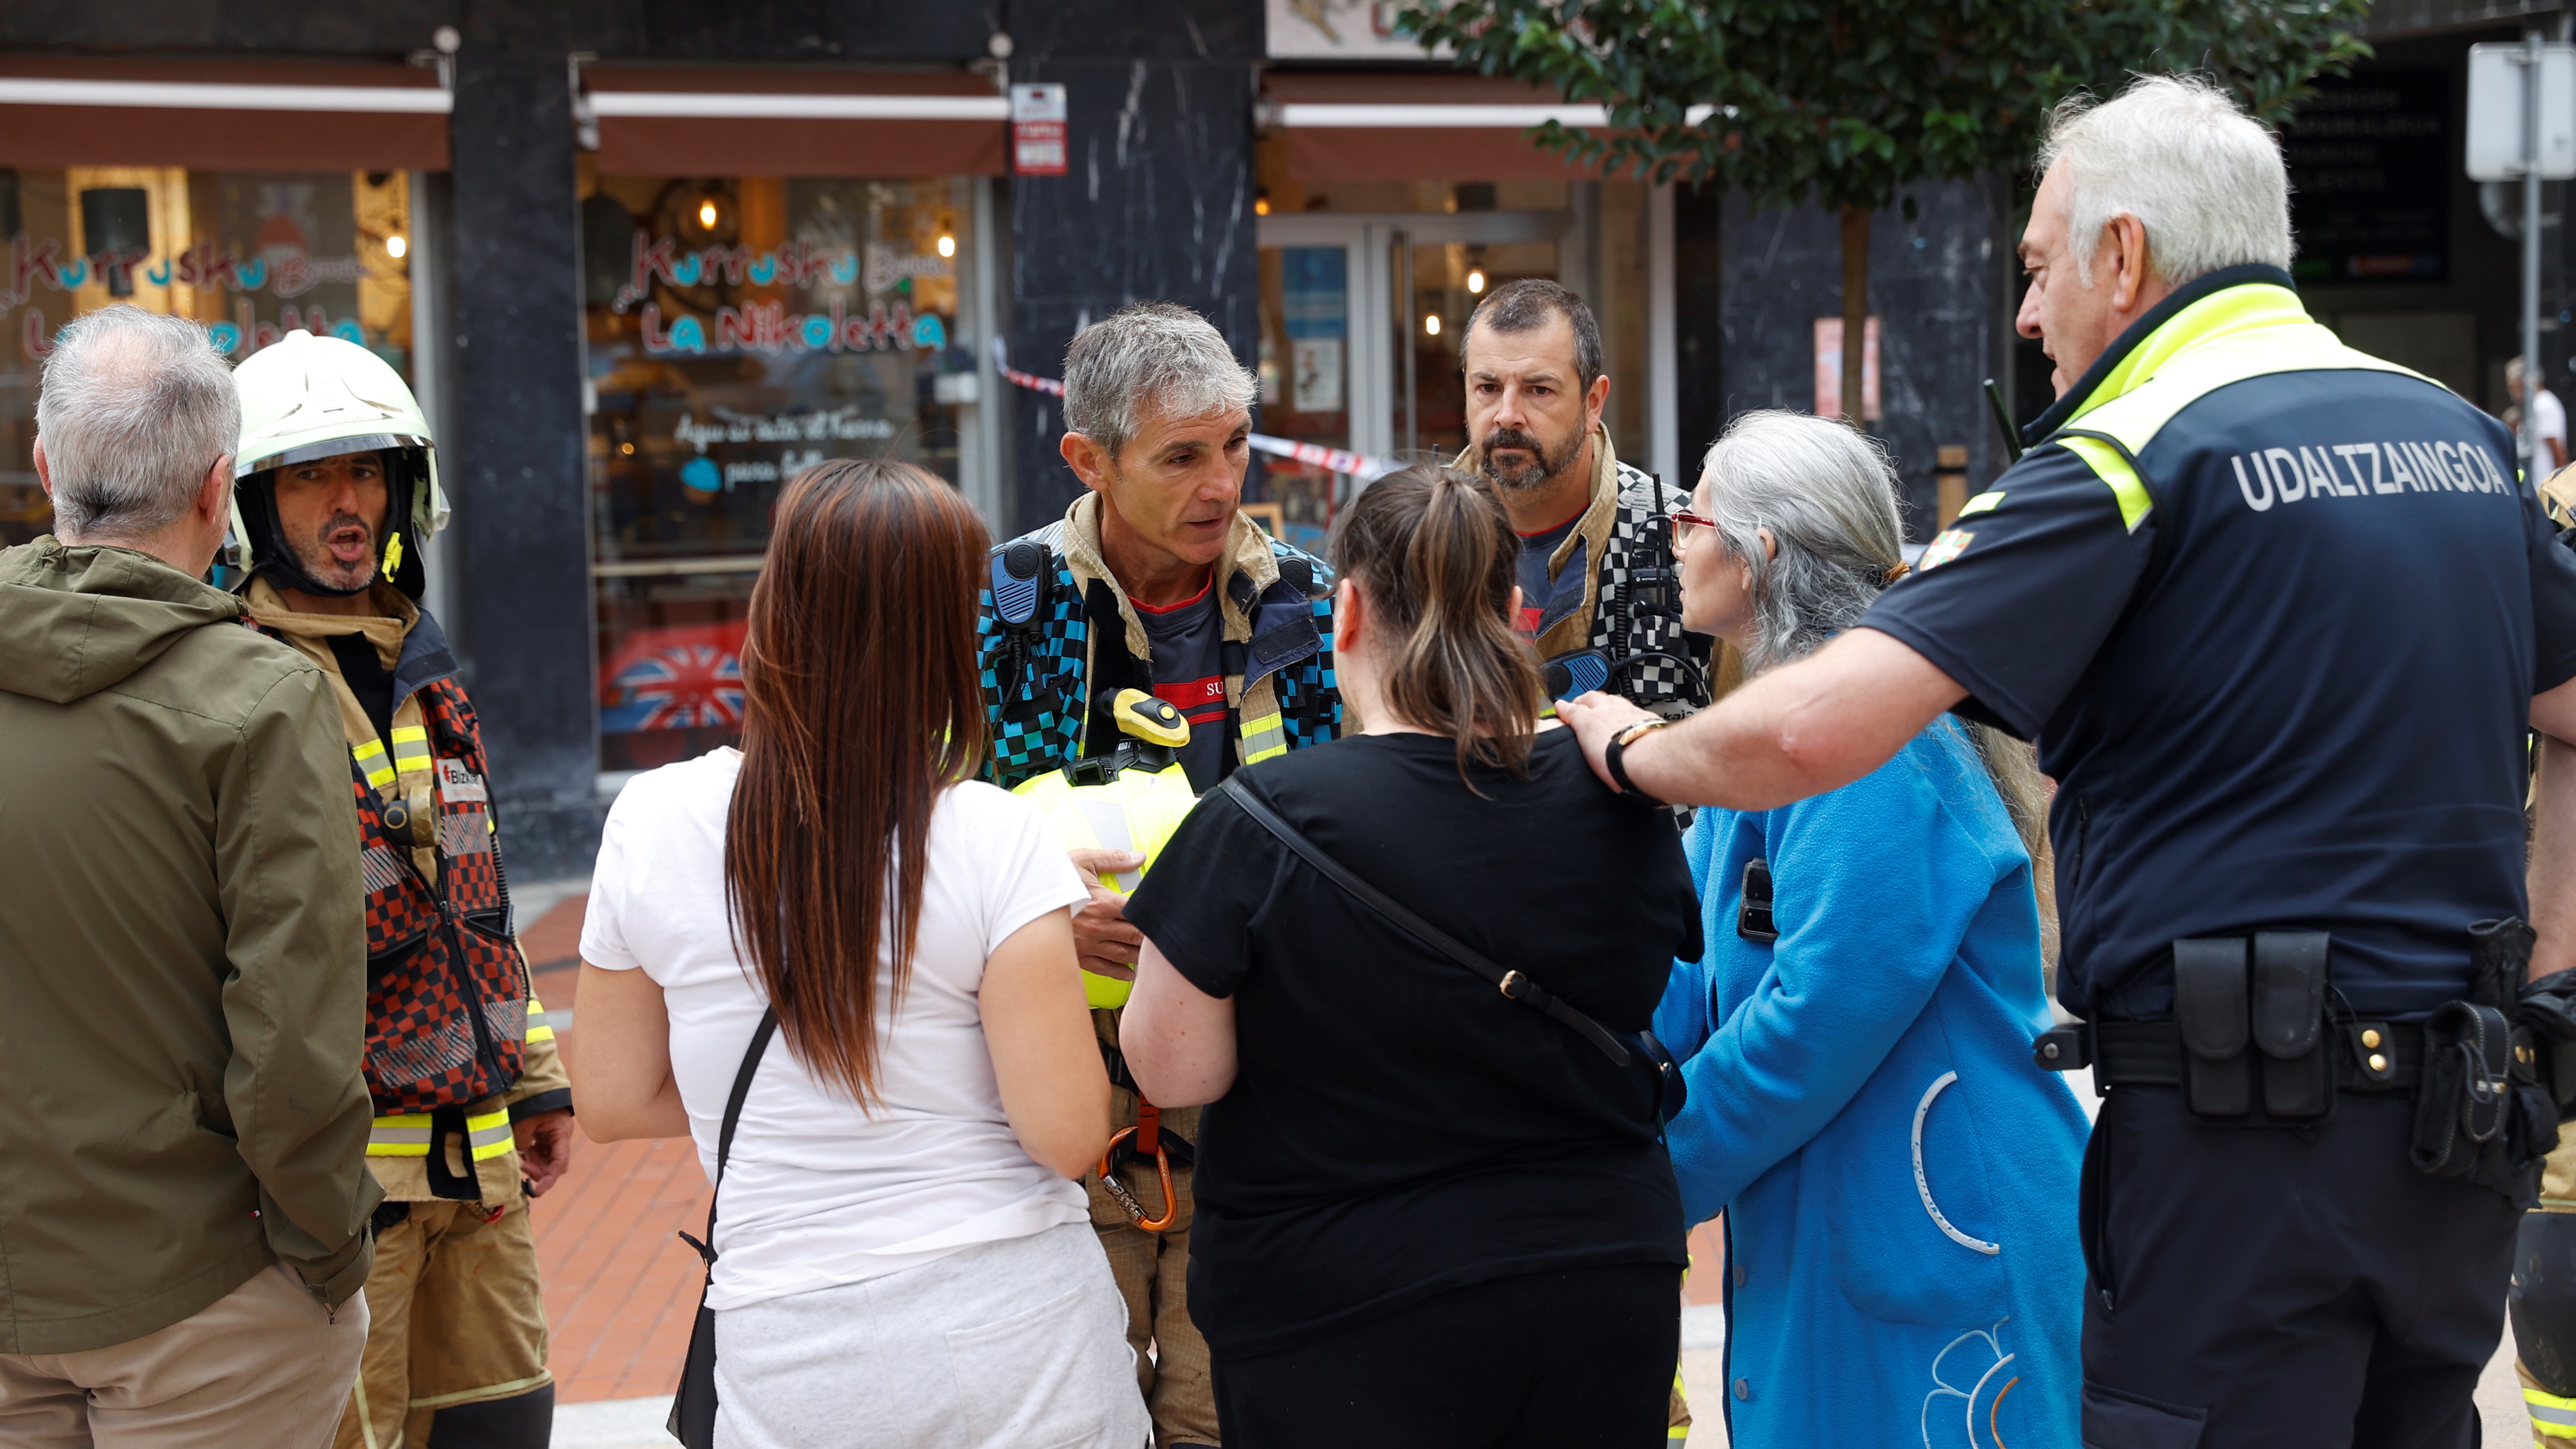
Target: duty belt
2378 1056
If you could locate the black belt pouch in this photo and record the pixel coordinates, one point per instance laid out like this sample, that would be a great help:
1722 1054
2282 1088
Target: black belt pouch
2290 1023
2211 1016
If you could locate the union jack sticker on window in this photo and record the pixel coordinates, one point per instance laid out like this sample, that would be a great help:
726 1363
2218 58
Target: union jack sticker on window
1952 543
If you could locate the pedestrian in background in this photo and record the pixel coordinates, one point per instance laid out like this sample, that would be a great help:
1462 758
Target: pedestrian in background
2545 409
183 1122
1428 1213
2278 614
1894 1169
901 1256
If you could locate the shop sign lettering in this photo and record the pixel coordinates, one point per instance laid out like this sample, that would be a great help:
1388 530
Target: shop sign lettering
768 327
841 424
282 271
875 268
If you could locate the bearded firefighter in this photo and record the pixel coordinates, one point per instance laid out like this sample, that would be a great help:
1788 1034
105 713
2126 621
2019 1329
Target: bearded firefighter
336 497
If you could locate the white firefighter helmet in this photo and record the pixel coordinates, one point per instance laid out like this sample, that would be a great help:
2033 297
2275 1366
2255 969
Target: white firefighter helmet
305 397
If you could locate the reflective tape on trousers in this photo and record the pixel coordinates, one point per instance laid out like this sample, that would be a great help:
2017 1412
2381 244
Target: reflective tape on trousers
2550 1414
488 1136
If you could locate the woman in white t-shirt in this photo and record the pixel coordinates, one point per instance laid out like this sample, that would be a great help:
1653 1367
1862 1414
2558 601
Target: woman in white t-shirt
901 1256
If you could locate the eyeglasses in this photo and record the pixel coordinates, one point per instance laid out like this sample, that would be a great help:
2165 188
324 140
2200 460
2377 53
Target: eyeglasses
1685 517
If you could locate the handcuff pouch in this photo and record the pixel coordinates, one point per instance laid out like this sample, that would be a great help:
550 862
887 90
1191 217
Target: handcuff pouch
2289 1016
2211 1017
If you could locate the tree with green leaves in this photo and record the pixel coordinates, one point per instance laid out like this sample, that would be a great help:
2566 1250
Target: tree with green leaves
1843 103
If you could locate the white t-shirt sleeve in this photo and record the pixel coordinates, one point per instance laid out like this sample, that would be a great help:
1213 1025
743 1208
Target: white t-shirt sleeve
603 926
1027 872
2551 414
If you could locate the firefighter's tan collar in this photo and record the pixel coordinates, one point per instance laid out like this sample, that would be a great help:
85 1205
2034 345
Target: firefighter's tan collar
1247 551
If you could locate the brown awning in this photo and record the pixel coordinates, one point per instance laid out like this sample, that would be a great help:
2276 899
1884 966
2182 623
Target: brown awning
1395 126
672 121
256 116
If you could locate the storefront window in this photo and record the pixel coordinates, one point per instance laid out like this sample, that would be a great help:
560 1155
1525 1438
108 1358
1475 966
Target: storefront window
1366 288
252 255
742 329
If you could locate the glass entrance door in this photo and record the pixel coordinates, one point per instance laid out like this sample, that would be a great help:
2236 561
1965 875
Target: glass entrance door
1361 321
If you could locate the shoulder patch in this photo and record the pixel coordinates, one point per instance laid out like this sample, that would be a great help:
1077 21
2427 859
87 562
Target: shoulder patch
1952 543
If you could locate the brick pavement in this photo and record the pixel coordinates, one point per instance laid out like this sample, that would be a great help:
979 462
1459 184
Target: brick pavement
621 1290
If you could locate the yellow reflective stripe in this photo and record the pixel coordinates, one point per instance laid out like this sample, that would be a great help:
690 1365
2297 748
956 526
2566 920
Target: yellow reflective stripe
1264 737
2227 337
488 1391
2229 309
2550 1414
1983 503
538 1030
407 1135
2125 484
411 748
371 759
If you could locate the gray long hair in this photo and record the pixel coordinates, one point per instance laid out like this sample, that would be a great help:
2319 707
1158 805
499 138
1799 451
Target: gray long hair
1826 496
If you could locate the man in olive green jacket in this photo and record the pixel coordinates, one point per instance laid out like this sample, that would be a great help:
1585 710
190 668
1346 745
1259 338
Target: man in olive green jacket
183 1123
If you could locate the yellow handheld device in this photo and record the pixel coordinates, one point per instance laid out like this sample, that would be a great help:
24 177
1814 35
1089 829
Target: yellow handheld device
1130 799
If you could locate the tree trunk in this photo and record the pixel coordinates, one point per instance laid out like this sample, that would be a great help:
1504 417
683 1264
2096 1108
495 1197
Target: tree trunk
1855 312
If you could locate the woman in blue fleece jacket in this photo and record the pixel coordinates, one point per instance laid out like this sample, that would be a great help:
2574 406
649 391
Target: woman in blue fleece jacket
1898 1178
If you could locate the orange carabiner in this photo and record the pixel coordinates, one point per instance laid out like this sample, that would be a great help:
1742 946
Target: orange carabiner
1148 1139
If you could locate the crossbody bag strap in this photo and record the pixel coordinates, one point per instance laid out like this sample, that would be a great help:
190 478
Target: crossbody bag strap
733 1118
1511 983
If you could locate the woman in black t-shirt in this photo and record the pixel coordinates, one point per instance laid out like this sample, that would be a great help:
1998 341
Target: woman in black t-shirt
1427 1214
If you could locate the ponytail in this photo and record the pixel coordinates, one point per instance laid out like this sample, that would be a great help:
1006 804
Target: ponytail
1434 547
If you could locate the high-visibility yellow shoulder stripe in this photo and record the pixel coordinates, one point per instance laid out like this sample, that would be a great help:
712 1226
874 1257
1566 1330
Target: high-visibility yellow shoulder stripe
2183 362
2126 486
2222 313
538 1029
1985 502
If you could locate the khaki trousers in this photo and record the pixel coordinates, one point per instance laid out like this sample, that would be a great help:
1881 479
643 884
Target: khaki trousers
1152 1271
459 1319
264 1365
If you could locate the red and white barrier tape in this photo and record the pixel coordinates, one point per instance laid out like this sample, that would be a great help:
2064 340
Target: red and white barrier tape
1333 460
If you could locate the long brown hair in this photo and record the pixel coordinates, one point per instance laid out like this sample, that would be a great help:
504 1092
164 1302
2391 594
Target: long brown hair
861 702
1434 547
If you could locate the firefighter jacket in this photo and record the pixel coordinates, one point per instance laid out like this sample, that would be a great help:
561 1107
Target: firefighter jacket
181 957
1064 640
457 1046
1624 542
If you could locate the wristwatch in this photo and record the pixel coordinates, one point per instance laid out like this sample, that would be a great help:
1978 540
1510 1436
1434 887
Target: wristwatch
1619 772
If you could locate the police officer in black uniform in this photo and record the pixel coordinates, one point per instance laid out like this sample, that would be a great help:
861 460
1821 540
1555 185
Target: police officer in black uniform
2277 614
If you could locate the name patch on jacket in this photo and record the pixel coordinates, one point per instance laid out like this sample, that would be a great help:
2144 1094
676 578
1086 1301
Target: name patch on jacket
457 783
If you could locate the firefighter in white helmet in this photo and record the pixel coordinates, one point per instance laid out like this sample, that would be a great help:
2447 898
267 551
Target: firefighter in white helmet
337 496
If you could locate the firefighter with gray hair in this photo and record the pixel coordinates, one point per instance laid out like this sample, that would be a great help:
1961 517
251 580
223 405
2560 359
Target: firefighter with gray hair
2278 615
1153 592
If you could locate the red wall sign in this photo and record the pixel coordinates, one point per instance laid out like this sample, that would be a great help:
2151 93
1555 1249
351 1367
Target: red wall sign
1037 130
